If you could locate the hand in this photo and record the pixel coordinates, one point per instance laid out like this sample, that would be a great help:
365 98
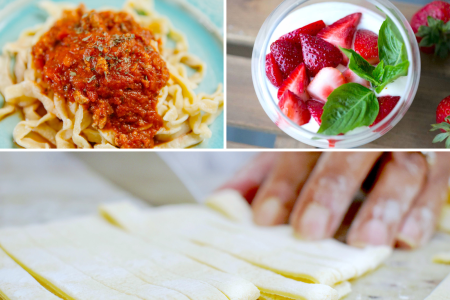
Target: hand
313 192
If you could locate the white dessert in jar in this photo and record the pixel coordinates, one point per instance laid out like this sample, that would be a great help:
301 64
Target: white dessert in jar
330 12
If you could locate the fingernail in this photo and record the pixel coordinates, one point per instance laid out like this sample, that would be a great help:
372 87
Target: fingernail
373 232
268 212
417 229
313 224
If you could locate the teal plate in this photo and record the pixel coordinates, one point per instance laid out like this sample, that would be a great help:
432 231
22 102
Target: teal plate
204 41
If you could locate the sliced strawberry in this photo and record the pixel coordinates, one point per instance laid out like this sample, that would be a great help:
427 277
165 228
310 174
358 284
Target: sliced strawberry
316 110
273 72
311 29
318 54
287 55
324 83
387 104
350 76
341 32
294 108
366 45
296 83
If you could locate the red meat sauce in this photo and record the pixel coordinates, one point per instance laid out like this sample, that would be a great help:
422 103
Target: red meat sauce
105 61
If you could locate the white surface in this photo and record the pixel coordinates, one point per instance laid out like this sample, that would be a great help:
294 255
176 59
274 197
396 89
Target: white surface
203 172
38 187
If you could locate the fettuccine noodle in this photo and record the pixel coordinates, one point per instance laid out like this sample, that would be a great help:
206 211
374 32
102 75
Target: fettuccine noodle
51 121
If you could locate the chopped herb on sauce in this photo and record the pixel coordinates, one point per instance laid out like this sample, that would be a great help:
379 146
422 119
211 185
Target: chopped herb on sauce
140 12
129 110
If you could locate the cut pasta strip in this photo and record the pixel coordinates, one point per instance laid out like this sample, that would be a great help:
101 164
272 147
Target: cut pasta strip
444 222
232 205
56 276
266 281
100 270
197 280
442 258
129 218
343 289
145 269
260 254
361 260
442 292
17 284
217 232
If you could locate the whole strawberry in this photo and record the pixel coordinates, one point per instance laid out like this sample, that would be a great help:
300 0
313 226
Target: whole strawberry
432 28
443 122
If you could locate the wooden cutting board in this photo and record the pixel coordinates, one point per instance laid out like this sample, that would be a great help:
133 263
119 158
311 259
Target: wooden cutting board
245 18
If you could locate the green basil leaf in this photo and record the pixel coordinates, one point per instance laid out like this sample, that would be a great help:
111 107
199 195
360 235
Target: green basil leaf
447 143
391 47
349 106
359 65
379 72
391 73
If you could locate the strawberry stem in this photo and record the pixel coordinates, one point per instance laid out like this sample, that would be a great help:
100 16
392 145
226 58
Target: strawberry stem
437 34
445 126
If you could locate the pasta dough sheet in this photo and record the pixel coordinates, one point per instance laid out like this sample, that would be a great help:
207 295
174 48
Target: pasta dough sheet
173 253
154 265
257 253
258 247
442 292
363 260
58 277
17 284
100 270
268 282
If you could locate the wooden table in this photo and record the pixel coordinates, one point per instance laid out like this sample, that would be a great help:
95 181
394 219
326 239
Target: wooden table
245 17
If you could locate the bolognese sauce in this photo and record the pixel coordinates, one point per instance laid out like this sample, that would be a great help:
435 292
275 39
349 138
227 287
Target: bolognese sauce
106 62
